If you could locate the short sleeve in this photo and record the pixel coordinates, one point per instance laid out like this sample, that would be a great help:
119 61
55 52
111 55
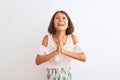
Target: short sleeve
77 48
42 50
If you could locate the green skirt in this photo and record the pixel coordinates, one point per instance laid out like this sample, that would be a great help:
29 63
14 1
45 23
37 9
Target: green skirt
59 73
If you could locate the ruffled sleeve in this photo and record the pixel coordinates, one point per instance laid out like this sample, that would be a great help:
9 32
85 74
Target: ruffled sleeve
77 48
42 50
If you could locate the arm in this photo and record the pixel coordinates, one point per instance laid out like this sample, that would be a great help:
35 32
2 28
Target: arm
43 58
78 56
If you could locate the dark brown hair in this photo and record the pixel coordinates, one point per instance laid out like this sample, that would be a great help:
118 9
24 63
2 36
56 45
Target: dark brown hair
69 30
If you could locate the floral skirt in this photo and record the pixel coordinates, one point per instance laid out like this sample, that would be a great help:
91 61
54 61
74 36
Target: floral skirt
59 73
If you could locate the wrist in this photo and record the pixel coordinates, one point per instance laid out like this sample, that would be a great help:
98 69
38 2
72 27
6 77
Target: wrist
56 52
64 51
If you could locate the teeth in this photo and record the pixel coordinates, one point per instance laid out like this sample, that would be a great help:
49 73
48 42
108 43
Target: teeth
61 24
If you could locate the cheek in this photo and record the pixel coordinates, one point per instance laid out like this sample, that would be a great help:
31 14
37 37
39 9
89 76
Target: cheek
55 23
67 23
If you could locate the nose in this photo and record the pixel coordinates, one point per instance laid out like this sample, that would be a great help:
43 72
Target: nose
60 19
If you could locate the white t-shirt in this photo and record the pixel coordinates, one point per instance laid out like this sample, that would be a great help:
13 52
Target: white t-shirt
59 60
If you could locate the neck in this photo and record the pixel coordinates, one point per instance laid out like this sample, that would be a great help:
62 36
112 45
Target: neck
60 34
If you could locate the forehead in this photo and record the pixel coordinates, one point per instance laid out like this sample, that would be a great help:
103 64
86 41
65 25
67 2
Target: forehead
60 14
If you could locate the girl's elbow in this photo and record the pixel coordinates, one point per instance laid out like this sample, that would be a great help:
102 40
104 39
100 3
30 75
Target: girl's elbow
83 60
37 61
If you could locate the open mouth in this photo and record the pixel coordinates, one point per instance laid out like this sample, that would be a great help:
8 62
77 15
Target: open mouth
61 24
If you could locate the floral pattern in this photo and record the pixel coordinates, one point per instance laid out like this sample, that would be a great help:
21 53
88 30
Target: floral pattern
58 74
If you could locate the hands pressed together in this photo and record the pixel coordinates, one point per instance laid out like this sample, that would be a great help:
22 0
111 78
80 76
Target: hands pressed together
60 48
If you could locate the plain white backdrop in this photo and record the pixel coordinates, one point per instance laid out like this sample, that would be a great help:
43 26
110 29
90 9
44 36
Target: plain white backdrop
23 23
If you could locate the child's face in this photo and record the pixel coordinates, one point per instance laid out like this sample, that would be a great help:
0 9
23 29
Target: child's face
61 22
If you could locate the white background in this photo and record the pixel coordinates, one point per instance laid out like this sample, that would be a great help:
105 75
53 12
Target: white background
23 23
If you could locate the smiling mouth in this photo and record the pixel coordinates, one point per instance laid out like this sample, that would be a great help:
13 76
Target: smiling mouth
61 24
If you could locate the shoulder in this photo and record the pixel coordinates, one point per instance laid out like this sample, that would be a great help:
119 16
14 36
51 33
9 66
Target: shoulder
45 40
74 38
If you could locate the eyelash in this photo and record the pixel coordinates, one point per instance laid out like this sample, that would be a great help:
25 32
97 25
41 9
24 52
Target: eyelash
62 18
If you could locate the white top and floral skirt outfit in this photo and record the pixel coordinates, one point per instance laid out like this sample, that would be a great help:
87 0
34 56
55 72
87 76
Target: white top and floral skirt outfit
58 68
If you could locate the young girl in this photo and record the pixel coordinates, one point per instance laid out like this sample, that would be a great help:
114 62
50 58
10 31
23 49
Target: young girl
59 48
